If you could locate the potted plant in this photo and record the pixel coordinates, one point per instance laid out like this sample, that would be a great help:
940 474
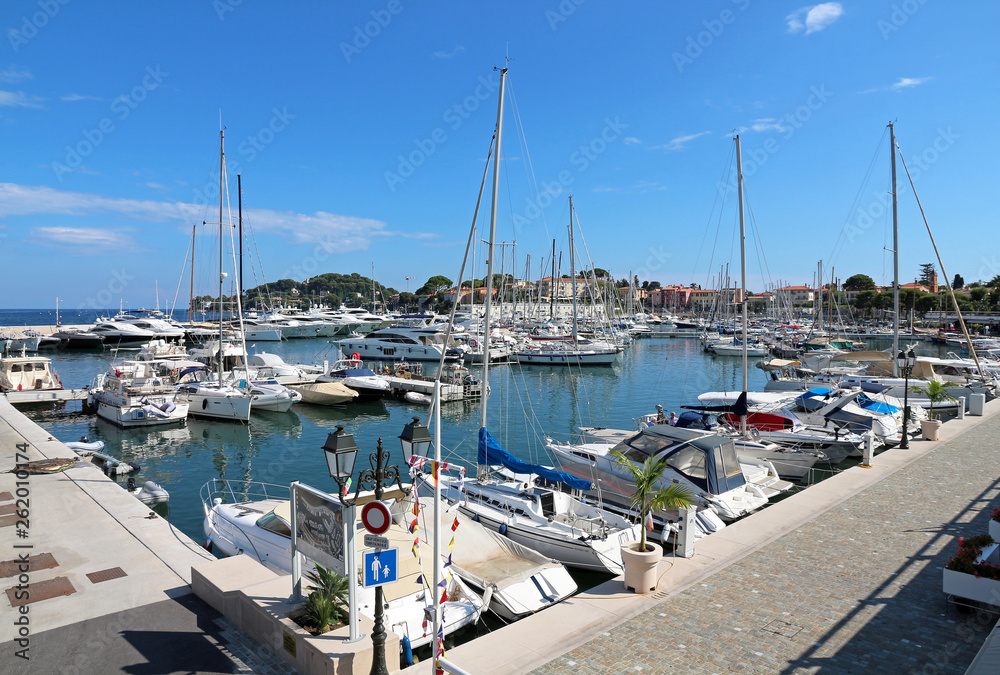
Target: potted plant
936 393
326 606
973 572
641 560
995 525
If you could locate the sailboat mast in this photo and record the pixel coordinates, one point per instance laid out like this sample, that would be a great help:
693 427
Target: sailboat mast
743 274
490 252
552 286
572 267
895 254
239 202
222 275
194 231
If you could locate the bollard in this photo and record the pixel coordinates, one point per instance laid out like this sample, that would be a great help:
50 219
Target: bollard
685 532
961 407
869 452
977 405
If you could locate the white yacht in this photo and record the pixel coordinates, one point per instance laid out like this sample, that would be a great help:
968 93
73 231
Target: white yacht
260 527
352 374
27 373
137 394
403 342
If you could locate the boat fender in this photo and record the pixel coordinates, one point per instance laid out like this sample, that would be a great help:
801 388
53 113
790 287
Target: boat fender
488 595
407 651
130 485
503 529
204 403
207 545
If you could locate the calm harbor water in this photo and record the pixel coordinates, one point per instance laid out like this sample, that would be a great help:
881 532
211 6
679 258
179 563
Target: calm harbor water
527 405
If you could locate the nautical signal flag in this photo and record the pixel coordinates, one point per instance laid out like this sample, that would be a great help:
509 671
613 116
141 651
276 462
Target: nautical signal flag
451 544
416 547
454 526
420 579
416 508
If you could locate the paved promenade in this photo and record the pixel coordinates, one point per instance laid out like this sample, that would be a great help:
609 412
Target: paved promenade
854 588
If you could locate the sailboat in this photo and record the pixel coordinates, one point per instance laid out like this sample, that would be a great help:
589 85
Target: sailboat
525 504
215 398
577 352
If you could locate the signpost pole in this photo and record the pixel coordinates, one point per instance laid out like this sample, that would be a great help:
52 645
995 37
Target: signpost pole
296 556
351 554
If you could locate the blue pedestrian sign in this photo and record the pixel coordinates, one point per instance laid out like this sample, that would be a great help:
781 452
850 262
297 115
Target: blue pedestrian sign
381 567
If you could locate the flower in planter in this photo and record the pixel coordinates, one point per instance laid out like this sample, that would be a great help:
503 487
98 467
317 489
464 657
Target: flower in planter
968 552
996 515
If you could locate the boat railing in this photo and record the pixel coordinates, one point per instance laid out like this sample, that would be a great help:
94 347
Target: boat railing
233 491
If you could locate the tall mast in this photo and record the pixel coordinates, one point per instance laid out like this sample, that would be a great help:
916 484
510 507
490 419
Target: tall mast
222 275
743 275
572 267
194 229
239 201
895 254
490 252
552 286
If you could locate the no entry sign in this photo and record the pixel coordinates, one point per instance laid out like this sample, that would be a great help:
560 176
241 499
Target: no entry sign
376 517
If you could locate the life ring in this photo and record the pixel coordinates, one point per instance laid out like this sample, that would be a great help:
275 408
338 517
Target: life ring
356 357
118 373
473 343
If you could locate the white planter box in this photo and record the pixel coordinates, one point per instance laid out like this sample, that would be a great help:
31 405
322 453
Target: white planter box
969 587
995 530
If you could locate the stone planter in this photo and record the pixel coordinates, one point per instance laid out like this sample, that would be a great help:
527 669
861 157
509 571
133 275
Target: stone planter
930 429
969 587
995 530
641 567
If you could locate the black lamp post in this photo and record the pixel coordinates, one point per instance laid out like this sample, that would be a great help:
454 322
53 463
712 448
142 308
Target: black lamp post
341 452
905 362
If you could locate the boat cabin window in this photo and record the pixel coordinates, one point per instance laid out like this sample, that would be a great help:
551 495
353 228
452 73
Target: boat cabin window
690 461
15 368
273 523
39 366
642 446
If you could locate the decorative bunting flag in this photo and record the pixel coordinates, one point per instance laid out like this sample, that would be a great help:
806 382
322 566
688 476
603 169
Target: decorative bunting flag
444 596
413 526
420 578
416 508
416 548
451 544
442 583
448 564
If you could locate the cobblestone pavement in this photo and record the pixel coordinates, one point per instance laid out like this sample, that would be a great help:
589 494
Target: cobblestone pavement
855 590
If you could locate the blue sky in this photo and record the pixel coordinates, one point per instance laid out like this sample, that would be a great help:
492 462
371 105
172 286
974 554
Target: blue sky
361 132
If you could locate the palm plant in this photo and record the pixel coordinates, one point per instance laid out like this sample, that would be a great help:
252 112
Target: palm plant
328 601
648 497
936 393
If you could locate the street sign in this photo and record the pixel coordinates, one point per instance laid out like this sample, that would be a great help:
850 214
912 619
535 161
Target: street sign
376 542
376 517
380 567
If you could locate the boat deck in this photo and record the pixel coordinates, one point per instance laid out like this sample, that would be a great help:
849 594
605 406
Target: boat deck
46 395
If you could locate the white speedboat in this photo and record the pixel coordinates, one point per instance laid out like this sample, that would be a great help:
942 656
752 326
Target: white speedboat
258 525
403 343
272 397
351 374
706 464
554 523
264 365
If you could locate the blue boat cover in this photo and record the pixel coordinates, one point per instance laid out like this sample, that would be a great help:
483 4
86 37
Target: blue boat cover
876 406
491 453
816 392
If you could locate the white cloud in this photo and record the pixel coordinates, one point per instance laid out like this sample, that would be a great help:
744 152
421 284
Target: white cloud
905 82
156 186
768 124
677 143
815 18
79 97
441 54
632 140
14 73
82 237
350 233
899 85
19 99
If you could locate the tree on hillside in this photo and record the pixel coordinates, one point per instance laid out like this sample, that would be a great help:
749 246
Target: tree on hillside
926 274
994 282
435 284
958 282
859 282
653 285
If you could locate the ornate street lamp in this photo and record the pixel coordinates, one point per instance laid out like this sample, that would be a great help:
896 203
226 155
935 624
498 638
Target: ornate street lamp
415 440
341 452
905 363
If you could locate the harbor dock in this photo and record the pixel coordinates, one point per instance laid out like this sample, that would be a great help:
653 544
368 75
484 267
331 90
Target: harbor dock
845 576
